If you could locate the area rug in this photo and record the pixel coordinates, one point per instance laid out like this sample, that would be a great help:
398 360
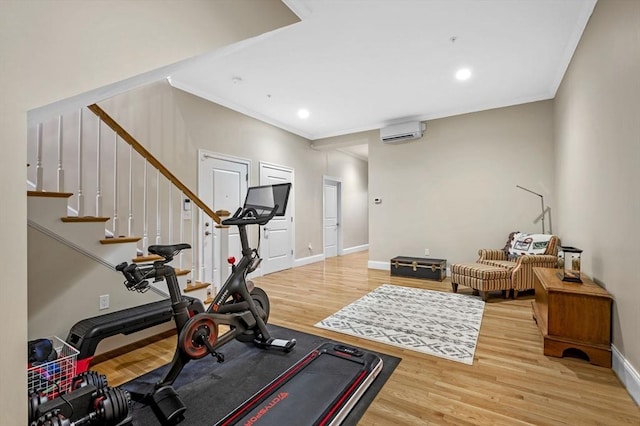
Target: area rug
211 390
441 324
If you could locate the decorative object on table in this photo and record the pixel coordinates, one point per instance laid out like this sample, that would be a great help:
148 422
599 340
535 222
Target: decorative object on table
569 264
541 217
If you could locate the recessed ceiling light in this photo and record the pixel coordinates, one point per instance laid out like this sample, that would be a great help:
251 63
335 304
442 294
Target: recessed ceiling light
463 74
303 113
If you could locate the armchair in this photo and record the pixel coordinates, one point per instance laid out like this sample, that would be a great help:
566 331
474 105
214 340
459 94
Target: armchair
519 262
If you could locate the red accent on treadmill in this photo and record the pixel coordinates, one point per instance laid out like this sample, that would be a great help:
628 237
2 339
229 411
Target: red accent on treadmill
231 260
342 399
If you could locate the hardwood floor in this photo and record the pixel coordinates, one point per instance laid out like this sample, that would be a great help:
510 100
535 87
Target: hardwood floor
510 382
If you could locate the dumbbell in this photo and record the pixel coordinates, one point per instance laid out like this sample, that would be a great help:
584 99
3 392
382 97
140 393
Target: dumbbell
112 406
92 378
54 418
36 399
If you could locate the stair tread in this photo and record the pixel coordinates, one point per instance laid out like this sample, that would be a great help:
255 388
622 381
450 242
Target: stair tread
147 258
197 286
76 219
119 240
49 194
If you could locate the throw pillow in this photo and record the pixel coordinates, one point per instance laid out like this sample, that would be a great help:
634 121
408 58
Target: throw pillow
530 244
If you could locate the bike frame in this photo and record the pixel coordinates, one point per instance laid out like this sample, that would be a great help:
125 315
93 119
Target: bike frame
239 315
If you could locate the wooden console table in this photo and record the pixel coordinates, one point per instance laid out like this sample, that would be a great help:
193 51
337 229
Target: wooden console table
573 316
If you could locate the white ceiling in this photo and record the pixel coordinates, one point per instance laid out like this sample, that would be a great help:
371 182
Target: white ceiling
358 65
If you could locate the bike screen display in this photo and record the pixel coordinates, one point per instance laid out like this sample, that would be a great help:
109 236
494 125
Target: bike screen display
264 198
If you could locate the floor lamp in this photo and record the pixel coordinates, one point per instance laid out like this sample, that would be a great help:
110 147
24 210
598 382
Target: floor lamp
541 200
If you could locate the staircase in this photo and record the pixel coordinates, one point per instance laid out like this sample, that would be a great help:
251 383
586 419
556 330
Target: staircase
92 187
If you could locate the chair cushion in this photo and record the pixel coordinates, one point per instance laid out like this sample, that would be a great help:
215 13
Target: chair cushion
480 271
506 264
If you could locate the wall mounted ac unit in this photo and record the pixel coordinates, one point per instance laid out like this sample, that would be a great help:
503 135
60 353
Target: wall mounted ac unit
402 132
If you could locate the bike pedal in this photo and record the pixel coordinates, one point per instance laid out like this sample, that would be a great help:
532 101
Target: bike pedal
281 344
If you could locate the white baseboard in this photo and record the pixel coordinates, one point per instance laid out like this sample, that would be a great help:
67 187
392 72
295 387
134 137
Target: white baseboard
626 373
307 260
363 247
374 264
320 257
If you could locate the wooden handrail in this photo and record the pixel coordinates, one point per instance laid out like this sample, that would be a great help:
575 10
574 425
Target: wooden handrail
151 159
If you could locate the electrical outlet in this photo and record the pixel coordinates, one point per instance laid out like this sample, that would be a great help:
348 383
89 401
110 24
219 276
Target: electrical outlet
426 252
104 301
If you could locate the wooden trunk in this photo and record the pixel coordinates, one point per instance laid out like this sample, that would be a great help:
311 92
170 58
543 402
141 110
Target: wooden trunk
573 316
419 267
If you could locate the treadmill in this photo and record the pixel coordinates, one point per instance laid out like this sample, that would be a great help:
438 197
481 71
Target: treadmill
320 389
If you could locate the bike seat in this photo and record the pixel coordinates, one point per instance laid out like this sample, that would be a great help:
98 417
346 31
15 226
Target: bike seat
168 251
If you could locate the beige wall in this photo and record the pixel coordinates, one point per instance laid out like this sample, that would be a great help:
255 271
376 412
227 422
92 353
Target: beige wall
64 288
454 191
597 135
54 50
174 125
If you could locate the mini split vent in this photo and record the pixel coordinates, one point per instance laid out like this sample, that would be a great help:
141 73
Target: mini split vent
402 132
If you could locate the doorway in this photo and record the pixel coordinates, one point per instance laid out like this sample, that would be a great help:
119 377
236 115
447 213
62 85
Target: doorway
222 185
332 216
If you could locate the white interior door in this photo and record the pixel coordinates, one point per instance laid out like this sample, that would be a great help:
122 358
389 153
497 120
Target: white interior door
276 246
222 184
331 218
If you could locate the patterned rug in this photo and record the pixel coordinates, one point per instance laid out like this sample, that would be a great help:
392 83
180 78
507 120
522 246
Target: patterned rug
441 324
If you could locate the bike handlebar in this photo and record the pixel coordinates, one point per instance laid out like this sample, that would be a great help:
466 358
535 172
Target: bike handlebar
136 276
249 216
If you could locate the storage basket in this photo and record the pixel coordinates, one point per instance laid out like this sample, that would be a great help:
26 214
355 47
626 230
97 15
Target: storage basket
54 377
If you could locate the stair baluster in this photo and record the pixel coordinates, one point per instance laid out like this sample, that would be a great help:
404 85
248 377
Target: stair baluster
60 175
98 171
80 210
39 169
115 220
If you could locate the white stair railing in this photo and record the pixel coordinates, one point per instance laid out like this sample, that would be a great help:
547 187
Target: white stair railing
61 165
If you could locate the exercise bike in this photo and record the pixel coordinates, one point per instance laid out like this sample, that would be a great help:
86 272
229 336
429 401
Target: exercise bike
238 305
